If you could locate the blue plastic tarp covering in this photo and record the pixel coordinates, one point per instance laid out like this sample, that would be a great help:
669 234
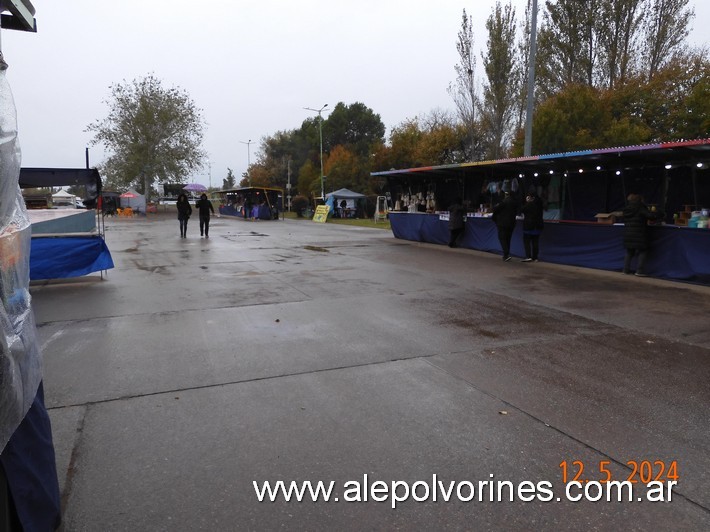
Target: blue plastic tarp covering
61 257
263 212
677 253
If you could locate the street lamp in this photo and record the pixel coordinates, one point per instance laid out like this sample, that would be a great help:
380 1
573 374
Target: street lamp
320 134
248 143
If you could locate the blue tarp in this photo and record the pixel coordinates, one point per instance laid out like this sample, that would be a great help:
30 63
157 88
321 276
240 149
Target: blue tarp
61 257
263 212
677 253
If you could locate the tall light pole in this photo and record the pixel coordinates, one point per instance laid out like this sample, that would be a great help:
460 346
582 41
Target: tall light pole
248 143
527 146
320 134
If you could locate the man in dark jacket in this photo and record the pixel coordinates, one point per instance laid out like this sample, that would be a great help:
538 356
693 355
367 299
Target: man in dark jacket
532 225
204 207
636 236
456 223
504 217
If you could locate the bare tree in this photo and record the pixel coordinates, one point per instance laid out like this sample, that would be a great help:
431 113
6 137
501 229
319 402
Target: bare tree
463 90
666 26
501 88
567 44
618 36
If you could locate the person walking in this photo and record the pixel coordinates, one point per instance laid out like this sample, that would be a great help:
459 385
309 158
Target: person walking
184 211
532 226
204 208
504 217
636 235
456 223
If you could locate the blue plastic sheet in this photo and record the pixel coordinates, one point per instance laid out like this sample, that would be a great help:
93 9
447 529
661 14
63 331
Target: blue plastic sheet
61 257
676 253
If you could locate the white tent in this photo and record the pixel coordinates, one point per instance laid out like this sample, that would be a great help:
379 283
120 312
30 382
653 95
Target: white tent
63 198
354 201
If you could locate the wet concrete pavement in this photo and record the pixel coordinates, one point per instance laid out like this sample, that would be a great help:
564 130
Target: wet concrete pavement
298 351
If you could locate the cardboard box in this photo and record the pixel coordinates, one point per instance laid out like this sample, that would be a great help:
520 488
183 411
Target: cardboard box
608 218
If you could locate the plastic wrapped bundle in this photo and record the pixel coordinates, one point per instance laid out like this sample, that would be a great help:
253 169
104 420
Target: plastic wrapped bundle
20 361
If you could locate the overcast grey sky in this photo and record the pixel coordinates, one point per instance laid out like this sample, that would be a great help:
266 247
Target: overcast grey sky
251 66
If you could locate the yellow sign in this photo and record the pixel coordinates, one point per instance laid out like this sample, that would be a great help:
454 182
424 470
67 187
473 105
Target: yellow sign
321 214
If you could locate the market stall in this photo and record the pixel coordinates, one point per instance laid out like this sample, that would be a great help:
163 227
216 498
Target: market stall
583 193
259 203
66 242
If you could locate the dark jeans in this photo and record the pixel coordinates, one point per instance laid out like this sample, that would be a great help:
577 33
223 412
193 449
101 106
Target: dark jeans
183 227
532 245
204 225
455 237
630 253
31 489
505 234
9 522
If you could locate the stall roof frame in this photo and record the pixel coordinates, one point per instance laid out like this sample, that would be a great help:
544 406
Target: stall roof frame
245 189
58 177
683 152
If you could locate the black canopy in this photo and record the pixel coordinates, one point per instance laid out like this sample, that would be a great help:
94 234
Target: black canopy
59 177
62 177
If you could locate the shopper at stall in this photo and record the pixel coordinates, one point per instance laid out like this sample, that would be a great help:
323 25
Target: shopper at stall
248 208
184 211
204 208
504 214
456 223
343 207
532 225
636 235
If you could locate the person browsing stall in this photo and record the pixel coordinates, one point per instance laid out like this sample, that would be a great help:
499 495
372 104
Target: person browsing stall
636 233
504 214
532 226
456 223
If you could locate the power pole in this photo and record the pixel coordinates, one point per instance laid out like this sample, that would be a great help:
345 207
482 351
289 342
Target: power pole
288 184
527 149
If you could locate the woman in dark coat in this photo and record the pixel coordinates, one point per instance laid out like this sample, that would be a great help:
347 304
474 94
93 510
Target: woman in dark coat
636 235
504 217
532 226
184 211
